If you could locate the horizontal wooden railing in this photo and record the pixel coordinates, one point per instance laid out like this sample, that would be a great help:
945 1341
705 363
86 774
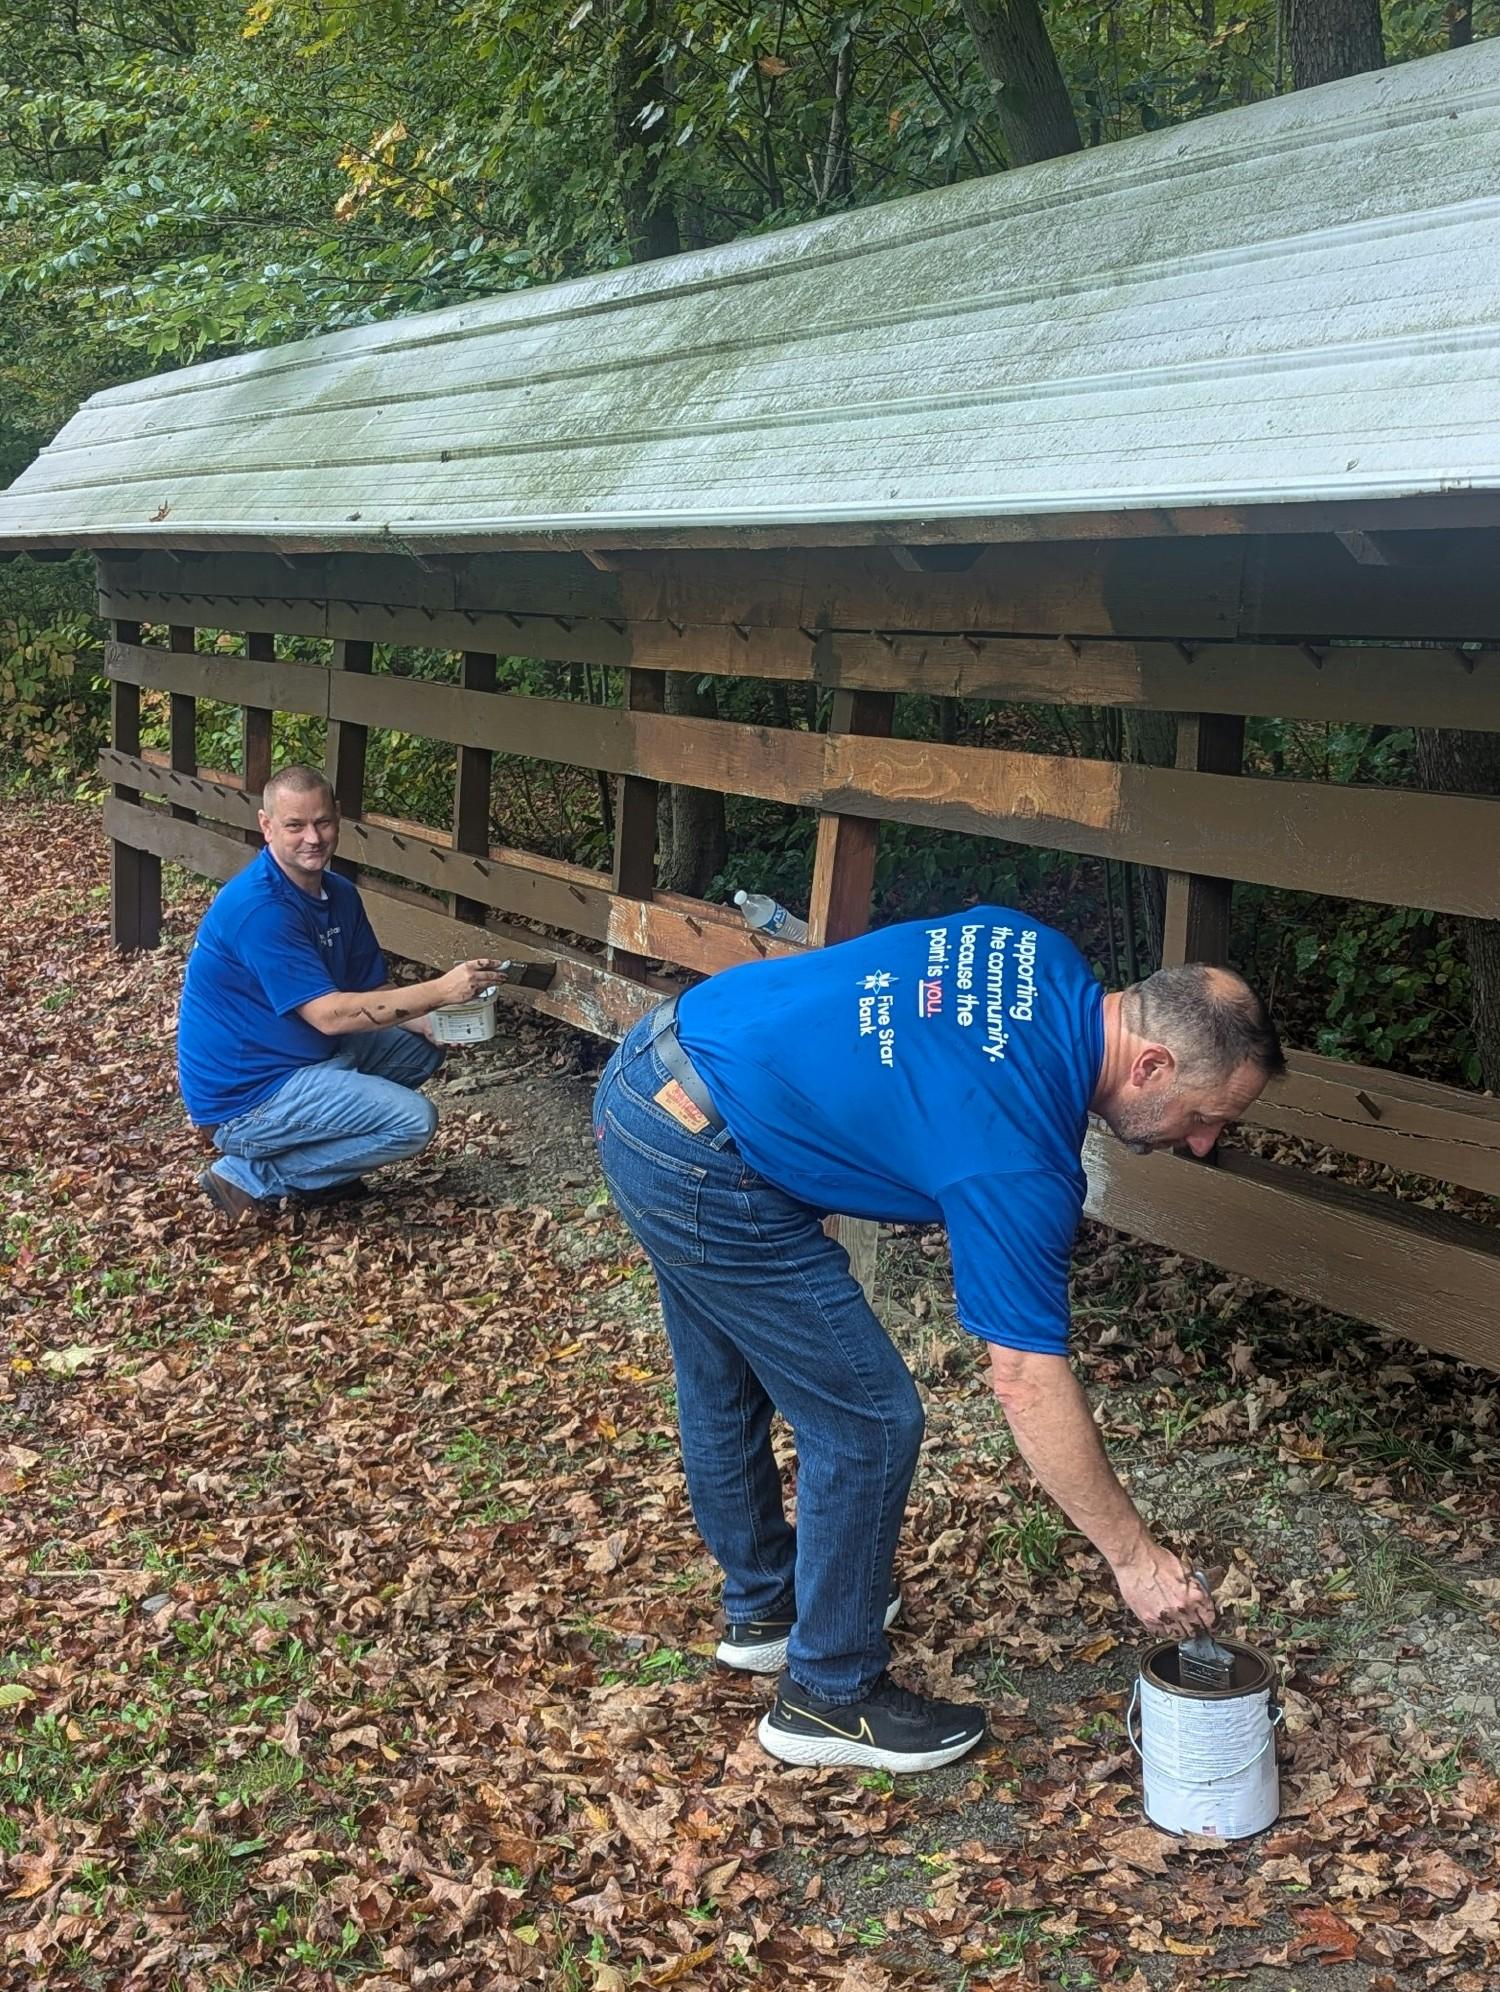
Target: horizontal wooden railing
1417 1272
1412 1125
1392 847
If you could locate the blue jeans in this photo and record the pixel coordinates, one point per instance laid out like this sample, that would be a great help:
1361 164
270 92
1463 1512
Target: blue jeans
332 1121
763 1314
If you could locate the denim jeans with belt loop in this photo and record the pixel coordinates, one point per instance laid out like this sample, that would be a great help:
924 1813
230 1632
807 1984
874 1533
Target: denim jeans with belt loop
330 1122
763 1313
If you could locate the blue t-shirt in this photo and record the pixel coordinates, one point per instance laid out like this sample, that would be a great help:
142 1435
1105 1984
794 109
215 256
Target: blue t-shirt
934 1072
264 948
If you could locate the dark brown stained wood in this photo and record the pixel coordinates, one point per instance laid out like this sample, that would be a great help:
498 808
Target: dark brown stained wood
636 807
344 755
1444 586
1384 845
279 687
1128 587
134 874
1413 1125
287 615
183 722
1196 924
471 785
260 645
1432 1278
1374 684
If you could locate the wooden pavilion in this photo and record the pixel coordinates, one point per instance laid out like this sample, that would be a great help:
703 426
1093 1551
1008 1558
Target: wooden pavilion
1203 423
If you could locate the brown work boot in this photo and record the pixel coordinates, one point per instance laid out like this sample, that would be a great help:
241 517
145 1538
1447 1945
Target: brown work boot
228 1198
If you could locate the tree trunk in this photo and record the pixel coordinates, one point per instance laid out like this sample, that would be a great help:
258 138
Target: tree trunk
1327 39
691 838
1460 23
1031 99
1455 763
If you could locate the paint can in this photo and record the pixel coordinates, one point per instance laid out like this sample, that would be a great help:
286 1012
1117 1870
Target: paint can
1208 1755
465 1023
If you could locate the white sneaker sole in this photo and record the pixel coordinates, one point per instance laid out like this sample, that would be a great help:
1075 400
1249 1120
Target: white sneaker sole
836 1750
771 1658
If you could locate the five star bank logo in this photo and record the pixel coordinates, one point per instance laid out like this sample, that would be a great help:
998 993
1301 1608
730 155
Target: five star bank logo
880 981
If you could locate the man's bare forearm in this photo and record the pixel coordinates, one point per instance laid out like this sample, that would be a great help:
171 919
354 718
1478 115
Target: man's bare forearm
346 1012
1055 1431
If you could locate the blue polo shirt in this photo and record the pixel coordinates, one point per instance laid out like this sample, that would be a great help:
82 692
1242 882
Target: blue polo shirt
263 949
933 1072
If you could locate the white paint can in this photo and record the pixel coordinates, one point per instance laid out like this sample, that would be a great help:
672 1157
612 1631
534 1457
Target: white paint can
1208 1755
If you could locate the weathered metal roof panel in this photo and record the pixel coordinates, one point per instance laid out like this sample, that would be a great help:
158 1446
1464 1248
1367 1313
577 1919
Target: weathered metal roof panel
1298 301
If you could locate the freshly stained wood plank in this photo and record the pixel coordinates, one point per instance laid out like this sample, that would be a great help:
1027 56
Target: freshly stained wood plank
1432 1278
471 784
1392 847
1196 922
1412 1125
256 733
134 874
184 711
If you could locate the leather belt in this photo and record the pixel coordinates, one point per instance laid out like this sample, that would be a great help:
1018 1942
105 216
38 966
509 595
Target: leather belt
668 1048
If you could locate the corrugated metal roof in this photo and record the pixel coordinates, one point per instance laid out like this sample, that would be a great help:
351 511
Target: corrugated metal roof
1295 301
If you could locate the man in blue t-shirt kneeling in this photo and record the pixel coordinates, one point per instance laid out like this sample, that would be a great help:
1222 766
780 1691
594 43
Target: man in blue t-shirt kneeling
941 1071
294 1049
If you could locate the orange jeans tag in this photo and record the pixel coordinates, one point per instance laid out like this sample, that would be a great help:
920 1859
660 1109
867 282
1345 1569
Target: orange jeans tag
671 1099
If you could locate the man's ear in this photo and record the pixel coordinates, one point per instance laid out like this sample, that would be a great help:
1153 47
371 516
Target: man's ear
1152 1062
265 824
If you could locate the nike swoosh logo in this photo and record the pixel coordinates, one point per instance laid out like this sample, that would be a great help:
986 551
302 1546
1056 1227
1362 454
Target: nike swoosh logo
863 1734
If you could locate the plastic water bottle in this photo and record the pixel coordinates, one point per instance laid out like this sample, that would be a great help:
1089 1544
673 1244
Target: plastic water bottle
769 916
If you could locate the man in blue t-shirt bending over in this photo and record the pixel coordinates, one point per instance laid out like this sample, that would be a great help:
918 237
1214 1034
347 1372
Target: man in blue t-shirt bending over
940 1071
293 1047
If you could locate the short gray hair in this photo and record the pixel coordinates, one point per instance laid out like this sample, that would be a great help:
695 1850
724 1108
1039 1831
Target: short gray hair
1210 1019
296 780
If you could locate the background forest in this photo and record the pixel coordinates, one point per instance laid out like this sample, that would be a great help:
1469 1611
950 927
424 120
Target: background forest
181 179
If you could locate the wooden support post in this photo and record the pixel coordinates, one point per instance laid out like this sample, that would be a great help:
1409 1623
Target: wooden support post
184 721
471 787
255 749
344 758
635 819
843 878
1196 923
134 875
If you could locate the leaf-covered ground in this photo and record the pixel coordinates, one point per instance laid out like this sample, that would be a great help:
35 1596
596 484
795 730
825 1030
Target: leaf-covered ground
353 1628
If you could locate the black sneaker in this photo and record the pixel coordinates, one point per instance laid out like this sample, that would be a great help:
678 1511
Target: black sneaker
890 1729
759 1645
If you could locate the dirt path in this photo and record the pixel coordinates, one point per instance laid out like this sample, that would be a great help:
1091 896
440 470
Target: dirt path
354 1630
